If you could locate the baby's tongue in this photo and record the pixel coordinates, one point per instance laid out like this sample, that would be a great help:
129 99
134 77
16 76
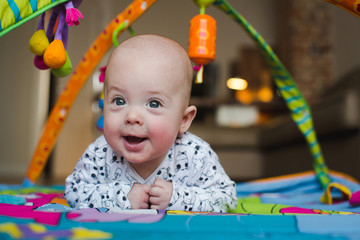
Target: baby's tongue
134 140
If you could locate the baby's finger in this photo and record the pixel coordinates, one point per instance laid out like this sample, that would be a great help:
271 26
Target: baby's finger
141 205
158 204
154 207
145 205
158 182
154 200
156 191
147 188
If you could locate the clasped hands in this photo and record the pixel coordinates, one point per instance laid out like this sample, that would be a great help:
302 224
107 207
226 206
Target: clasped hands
156 196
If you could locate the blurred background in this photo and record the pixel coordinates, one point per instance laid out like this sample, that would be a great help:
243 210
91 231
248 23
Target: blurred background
250 129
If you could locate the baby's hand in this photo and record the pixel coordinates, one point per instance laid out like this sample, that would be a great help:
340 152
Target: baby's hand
139 196
160 194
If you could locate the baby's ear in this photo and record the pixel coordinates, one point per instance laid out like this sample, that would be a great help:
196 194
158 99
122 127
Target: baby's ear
188 117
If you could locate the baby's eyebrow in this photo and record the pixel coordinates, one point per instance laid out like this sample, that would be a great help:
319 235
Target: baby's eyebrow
160 94
116 89
155 92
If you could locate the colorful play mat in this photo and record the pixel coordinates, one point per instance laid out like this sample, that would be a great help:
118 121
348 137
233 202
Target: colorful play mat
285 207
319 204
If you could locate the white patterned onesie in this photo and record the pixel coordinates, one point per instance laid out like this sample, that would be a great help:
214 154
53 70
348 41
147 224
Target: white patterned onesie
102 178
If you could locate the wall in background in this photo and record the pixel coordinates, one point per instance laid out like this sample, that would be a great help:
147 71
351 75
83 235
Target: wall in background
346 37
23 102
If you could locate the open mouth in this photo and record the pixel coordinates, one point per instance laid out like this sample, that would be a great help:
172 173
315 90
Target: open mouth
134 140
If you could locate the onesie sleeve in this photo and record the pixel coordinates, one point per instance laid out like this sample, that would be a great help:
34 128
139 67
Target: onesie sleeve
203 184
203 200
89 185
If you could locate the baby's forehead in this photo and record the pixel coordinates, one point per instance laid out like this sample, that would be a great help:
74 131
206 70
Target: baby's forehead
153 49
150 41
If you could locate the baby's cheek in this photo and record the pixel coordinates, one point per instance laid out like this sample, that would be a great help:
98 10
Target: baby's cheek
164 132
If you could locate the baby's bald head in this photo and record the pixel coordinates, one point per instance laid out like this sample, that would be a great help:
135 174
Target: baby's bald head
173 57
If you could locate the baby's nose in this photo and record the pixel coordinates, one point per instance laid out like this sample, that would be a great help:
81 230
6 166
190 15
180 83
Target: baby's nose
133 117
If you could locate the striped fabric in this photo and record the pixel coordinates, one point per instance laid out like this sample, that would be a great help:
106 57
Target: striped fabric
13 13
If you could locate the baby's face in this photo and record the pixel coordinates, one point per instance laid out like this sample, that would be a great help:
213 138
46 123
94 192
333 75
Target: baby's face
143 107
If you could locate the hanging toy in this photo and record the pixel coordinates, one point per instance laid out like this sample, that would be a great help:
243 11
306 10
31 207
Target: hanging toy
39 42
54 55
202 39
72 13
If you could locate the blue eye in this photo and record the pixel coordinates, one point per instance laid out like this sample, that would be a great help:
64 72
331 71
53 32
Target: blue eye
119 101
154 104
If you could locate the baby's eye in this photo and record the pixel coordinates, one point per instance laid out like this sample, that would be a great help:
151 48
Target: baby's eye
119 101
154 104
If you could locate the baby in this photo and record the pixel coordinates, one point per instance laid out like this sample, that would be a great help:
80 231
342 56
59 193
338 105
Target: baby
145 157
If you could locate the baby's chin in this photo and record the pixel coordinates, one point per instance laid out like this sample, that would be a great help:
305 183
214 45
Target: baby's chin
144 160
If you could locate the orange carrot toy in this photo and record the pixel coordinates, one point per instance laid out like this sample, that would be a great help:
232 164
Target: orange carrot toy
202 38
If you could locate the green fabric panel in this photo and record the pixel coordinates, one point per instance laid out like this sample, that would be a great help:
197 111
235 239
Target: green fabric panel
24 7
7 17
43 3
5 12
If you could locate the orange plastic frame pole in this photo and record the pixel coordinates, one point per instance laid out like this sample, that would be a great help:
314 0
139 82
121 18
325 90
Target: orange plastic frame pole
352 6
